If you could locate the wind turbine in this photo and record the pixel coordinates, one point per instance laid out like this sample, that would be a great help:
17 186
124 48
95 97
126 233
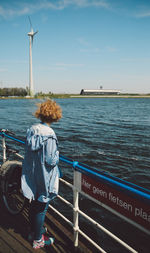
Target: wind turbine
31 35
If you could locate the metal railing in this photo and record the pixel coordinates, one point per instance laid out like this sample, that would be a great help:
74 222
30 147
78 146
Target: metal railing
102 189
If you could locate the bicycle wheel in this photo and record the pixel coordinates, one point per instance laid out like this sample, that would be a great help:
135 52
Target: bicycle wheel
10 173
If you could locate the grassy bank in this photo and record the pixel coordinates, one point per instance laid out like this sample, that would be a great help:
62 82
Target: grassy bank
53 96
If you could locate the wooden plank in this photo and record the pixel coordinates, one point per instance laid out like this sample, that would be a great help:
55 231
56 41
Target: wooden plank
14 231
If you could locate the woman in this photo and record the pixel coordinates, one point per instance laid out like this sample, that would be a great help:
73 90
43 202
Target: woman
40 172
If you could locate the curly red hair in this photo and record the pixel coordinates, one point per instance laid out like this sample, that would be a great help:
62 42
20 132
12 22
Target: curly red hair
49 111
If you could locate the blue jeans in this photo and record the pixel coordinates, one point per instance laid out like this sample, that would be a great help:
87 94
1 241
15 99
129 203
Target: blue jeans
37 214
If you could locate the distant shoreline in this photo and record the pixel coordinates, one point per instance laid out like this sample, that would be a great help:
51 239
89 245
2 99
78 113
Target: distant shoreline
53 96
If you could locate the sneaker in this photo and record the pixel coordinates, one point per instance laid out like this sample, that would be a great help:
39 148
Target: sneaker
45 241
31 234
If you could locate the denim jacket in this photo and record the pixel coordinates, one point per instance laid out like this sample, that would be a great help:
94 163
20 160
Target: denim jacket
40 173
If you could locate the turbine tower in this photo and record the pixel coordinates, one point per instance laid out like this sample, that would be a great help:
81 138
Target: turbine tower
31 35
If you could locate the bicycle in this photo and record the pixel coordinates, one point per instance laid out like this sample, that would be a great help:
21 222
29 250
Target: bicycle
10 179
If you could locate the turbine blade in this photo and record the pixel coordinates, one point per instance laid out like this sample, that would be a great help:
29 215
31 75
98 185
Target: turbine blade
35 32
30 22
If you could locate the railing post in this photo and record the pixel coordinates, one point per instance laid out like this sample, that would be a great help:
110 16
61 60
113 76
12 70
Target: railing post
4 148
76 190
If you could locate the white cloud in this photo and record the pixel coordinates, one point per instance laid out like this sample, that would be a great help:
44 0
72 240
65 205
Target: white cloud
143 14
83 41
20 8
88 3
61 66
24 7
87 47
111 49
10 11
137 10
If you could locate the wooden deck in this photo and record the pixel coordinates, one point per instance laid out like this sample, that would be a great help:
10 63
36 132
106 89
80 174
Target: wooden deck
14 230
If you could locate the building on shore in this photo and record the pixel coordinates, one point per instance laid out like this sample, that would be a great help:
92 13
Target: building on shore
99 92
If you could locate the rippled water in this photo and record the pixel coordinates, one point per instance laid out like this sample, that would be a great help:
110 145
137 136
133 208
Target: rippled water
107 133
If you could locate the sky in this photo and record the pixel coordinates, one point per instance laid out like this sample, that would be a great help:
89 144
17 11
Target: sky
80 44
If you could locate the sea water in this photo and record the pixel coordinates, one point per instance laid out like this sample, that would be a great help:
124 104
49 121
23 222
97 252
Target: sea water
110 134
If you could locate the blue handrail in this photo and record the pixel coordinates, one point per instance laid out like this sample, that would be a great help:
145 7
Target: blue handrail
122 185
106 178
12 138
